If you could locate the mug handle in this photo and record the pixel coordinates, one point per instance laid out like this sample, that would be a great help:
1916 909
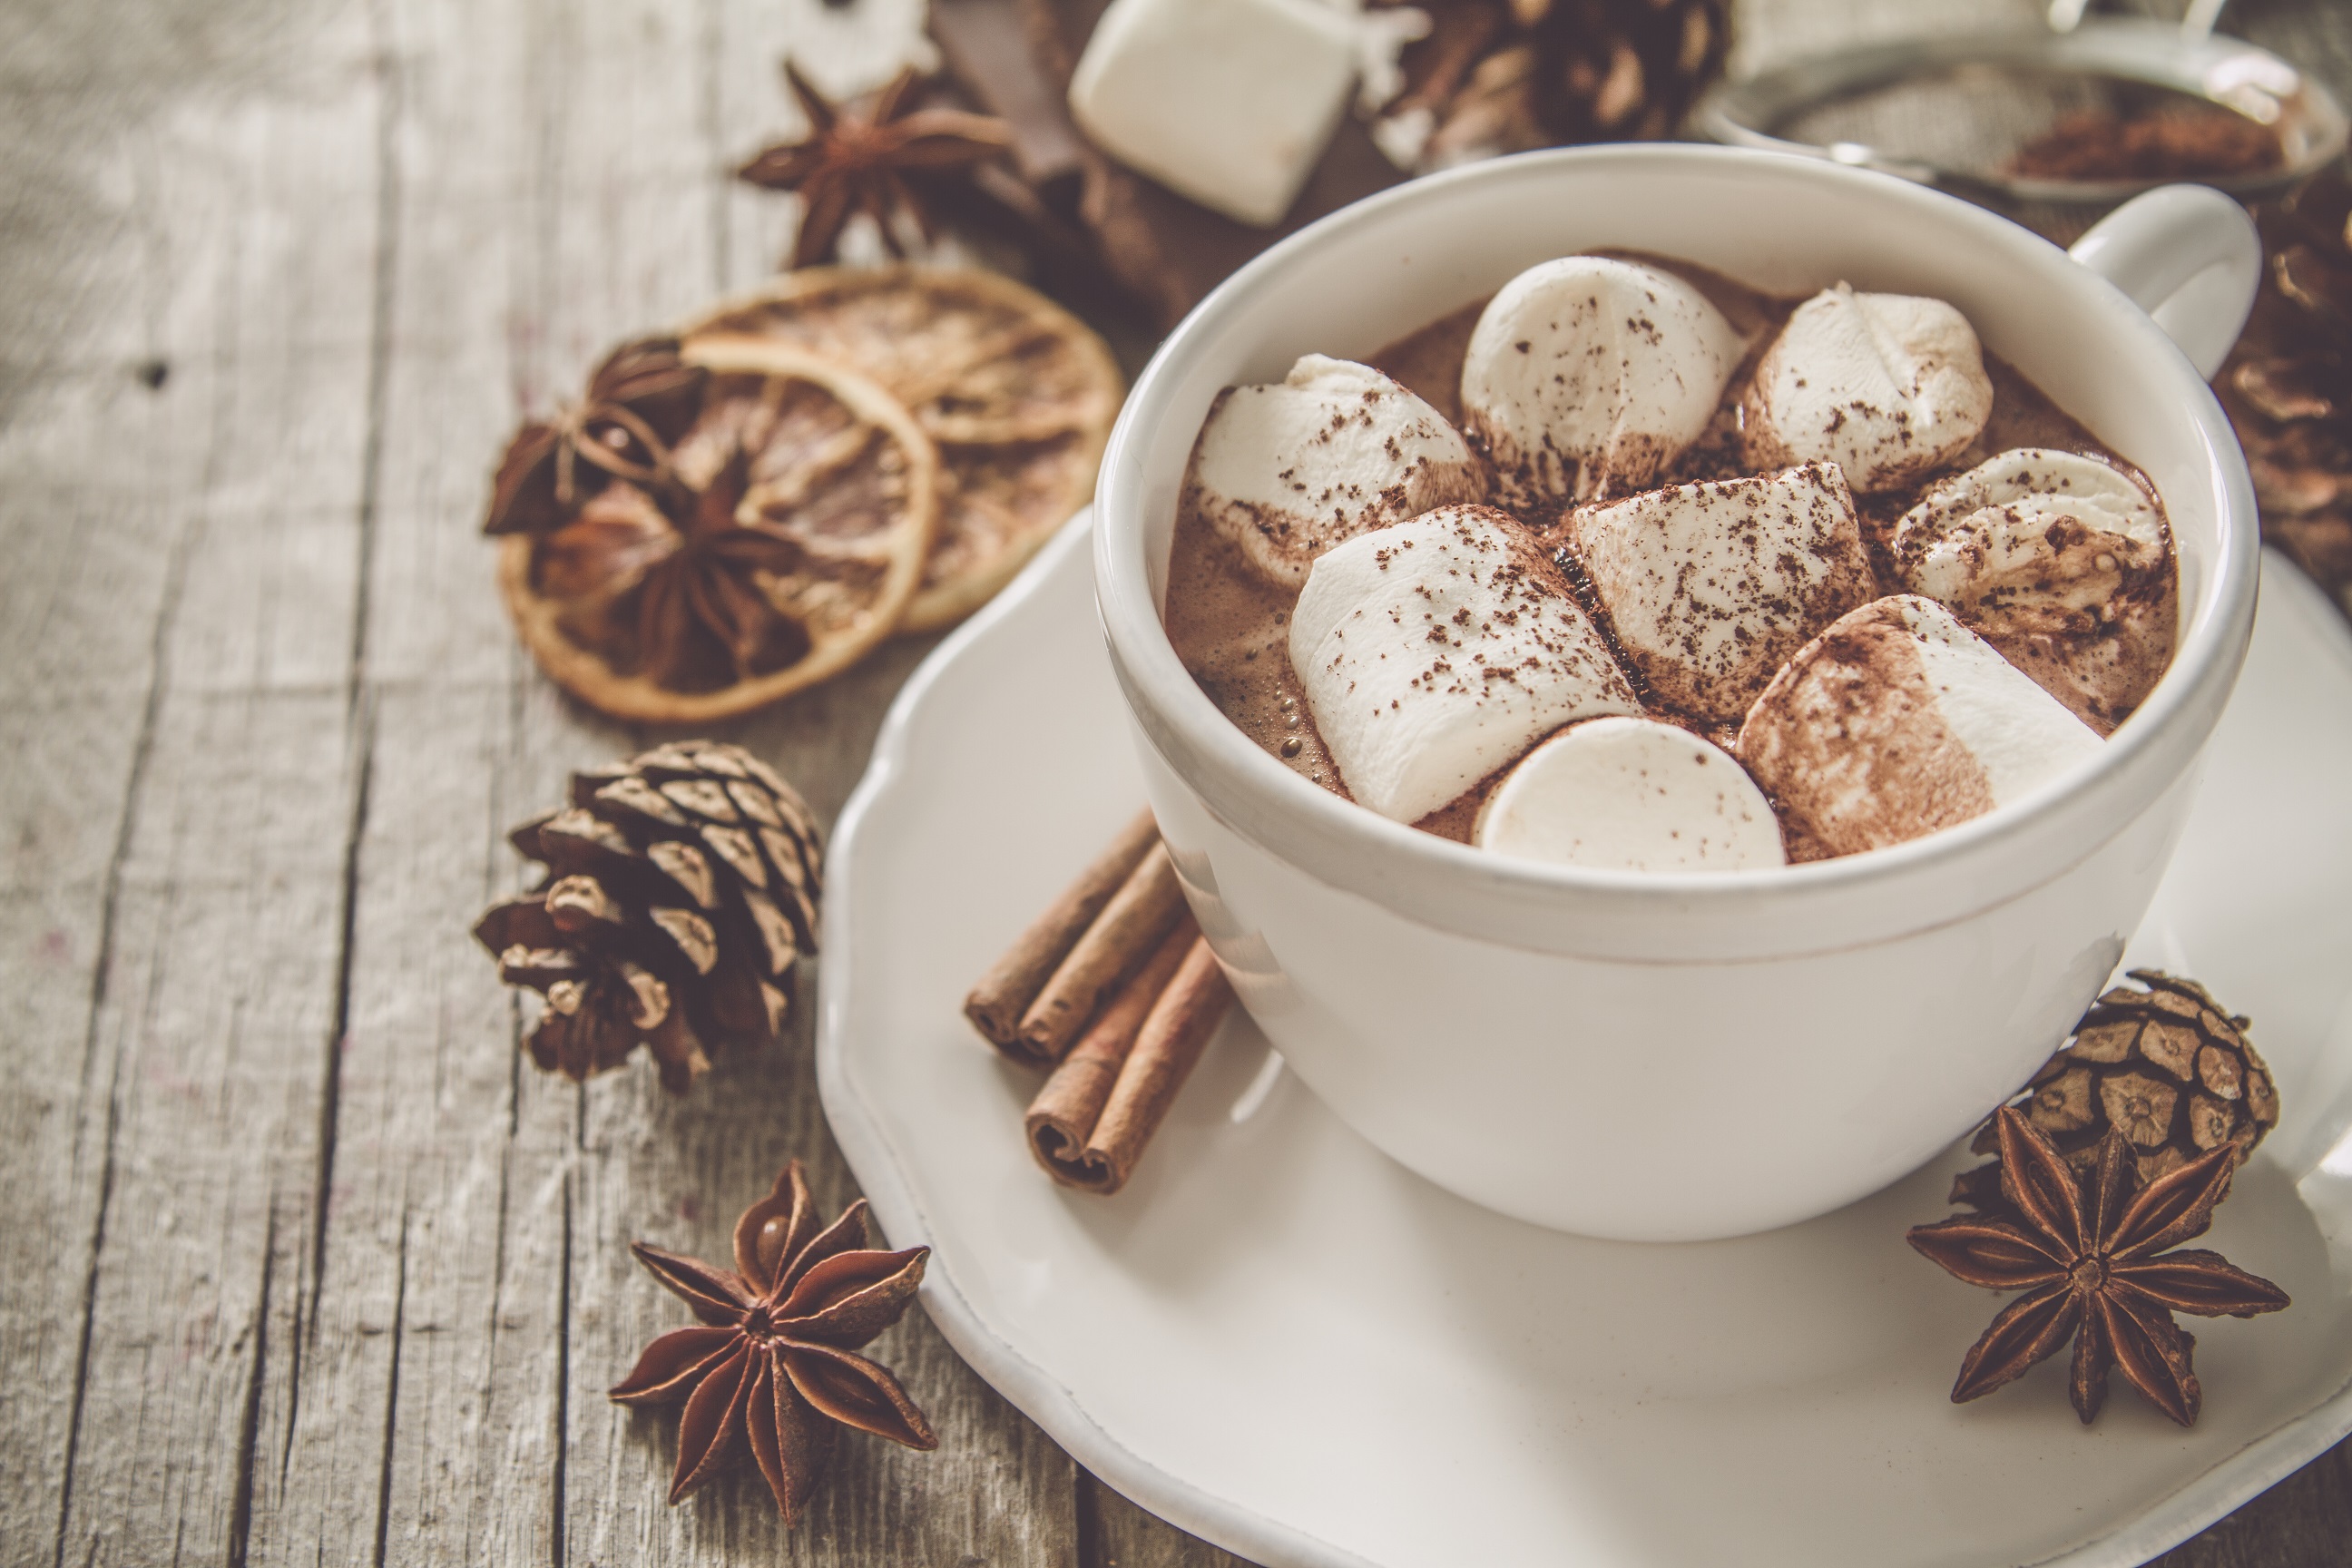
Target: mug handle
2187 254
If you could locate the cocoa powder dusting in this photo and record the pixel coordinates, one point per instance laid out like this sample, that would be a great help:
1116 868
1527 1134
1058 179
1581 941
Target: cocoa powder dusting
1913 776
2182 138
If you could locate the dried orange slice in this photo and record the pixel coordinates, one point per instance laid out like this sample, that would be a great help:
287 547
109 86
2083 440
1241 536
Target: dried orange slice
1018 394
780 538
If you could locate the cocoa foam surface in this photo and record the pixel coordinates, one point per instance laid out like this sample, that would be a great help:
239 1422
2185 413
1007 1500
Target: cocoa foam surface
1230 628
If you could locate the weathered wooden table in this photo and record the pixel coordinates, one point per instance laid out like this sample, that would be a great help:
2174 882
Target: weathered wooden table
301 1262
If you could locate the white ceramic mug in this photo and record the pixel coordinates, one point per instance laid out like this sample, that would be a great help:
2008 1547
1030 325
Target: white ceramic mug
1679 1056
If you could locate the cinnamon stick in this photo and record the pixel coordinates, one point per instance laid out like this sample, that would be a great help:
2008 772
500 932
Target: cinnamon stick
1112 949
1063 1114
1156 1056
1004 994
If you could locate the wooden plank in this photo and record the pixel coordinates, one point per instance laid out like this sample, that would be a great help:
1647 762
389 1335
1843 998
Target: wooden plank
1119 1534
2302 1523
429 1414
995 1491
451 1208
452 1216
93 544
247 269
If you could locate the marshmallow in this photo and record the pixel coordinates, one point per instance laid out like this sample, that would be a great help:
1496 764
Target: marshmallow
1711 587
2031 527
1888 387
1287 470
1587 376
1898 721
2063 561
1433 652
1227 102
1631 794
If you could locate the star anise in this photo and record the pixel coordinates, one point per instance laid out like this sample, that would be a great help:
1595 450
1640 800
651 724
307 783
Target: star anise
2095 1267
672 571
853 160
776 1362
640 401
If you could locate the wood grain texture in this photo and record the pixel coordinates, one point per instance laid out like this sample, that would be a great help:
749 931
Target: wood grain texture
1117 1535
304 1264
214 1015
429 1393
93 575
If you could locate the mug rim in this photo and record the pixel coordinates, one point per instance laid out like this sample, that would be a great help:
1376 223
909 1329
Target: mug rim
1157 687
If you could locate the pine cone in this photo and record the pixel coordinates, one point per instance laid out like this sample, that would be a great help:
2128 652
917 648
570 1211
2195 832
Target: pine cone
681 886
2288 384
2167 1067
1494 77
1621 70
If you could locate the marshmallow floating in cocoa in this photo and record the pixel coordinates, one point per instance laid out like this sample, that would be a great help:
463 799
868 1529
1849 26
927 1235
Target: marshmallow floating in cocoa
1631 794
2063 561
1288 470
1711 587
1888 387
1227 102
1898 721
1587 376
1435 651
2033 527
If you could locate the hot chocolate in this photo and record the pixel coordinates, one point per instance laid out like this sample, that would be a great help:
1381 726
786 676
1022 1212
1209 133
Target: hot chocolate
1815 534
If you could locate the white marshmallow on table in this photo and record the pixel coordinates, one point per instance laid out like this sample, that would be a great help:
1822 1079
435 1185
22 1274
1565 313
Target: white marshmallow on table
1888 387
1288 469
1898 721
1433 652
1631 794
1227 102
1711 587
1587 376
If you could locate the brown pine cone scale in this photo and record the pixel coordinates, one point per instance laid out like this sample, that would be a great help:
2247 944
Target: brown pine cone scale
1506 75
682 886
2287 387
2165 1065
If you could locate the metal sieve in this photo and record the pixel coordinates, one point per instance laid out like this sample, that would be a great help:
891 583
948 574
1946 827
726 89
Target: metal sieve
1957 112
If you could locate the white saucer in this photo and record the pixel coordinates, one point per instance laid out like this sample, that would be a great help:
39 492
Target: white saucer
1283 1342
